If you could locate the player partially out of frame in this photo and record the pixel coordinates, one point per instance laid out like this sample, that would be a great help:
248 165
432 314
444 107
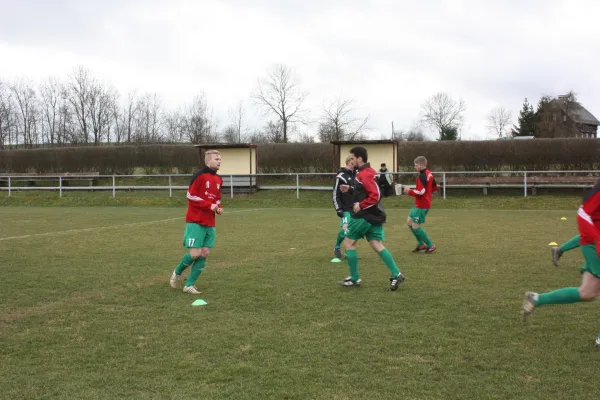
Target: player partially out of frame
588 223
204 201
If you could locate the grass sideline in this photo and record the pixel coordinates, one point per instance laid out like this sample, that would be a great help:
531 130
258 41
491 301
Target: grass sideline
287 198
88 313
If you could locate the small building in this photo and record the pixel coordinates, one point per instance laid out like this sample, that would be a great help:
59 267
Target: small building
562 118
239 164
379 151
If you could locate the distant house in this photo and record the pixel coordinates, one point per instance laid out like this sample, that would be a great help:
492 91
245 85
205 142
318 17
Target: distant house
560 118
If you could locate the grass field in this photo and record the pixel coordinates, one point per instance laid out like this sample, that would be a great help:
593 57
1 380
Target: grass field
86 310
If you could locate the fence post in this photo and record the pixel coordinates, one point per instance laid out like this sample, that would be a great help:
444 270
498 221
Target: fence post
444 183
9 186
114 188
170 187
525 183
60 186
231 185
297 186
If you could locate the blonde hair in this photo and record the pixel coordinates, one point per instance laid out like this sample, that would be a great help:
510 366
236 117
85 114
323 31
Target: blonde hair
421 160
209 153
348 158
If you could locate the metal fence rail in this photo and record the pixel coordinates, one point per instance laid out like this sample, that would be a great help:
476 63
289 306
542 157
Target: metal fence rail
231 182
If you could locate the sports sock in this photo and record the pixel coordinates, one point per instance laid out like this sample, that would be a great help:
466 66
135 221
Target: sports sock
423 236
387 258
340 238
352 258
561 296
571 244
185 262
197 268
414 232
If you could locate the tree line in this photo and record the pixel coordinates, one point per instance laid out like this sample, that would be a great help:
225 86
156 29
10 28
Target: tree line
81 110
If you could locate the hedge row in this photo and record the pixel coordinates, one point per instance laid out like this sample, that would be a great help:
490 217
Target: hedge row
537 154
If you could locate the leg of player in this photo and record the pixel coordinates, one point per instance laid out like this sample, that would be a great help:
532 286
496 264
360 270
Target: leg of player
397 276
351 256
557 252
188 260
422 235
587 291
197 268
420 244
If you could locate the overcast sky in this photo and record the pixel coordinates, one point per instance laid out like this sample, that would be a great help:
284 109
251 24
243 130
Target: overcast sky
389 56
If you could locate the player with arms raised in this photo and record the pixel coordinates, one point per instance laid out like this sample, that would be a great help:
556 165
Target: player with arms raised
204 200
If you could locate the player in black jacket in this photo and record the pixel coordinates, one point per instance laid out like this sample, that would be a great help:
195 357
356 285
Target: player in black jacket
343 203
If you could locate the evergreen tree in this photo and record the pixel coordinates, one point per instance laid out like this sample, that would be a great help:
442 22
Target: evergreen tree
526 121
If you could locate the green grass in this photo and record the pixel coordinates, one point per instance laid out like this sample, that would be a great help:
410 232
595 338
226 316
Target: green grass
86 311
287 198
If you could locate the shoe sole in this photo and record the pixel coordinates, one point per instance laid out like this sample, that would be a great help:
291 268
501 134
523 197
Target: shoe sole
524 313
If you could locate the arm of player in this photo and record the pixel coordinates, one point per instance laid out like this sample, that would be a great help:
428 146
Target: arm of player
591 207
337 195
419 192
373 194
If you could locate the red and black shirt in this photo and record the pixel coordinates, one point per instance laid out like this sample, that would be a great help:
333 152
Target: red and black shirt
203 192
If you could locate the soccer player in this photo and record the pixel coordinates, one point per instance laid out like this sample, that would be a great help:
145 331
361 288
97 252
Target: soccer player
557 252
204 200
343 203
426 185
367 220
588 223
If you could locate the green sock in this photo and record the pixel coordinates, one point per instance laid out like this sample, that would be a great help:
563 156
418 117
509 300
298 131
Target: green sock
561 296
340 238
185 262
197 268
352 258
423 236
414 232
387 258
573 243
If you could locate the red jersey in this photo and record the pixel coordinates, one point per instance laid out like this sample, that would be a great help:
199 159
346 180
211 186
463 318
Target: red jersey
203 192
588 218
426 185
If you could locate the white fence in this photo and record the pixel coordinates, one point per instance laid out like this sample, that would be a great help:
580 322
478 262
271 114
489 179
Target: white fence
528 181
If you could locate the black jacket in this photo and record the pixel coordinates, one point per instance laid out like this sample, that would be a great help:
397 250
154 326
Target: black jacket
343 201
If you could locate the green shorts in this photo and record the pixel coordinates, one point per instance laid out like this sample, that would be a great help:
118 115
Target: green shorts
345 219
358 228
418 215
592 261
197 236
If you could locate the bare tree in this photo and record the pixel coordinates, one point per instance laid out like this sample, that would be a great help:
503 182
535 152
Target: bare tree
80 85
280 94
149 118
27 109
6 115
175 126
236 117
444 114
99 110
337 122
499 119
51 93
199 125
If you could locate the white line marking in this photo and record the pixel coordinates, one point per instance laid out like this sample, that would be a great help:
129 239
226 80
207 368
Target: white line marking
117 226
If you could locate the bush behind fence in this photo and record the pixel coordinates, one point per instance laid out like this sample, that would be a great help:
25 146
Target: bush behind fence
537 154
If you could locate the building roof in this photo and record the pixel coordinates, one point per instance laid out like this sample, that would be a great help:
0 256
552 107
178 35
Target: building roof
225 145
578 113
384 141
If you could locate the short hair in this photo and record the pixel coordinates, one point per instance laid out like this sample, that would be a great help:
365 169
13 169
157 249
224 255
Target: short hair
348 158
421 160
210 153
361 152
383 164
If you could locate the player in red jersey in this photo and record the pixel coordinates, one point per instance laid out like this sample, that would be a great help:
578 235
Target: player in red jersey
588 223
204 201
425 187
